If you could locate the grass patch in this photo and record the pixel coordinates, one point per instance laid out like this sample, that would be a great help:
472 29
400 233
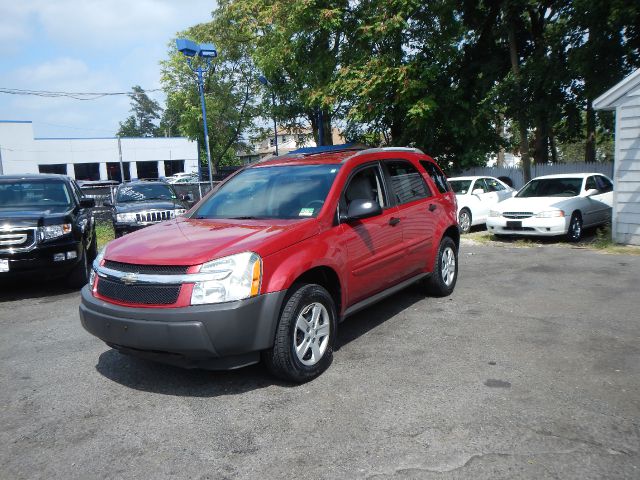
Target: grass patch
604 242
104 233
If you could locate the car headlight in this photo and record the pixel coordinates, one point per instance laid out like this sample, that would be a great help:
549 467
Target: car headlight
49 232
550 214
126 217
494 213
179 211
235 278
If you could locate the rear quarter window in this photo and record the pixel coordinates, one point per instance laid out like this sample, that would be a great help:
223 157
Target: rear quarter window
439 178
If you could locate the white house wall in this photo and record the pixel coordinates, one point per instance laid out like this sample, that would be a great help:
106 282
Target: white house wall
626 217
22 153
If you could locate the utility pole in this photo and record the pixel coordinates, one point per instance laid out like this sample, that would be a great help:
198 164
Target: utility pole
1 169
121 165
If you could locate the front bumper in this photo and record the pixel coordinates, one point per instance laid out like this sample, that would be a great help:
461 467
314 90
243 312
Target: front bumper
218 336
528 226
121 228
40 260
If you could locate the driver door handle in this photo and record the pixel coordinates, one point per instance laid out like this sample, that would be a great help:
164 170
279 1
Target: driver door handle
394 221
432 207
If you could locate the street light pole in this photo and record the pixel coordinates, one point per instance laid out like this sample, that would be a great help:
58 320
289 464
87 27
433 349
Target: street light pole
263 80
207 51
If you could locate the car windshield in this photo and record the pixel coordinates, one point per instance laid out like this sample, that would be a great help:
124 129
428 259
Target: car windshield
460 187
142 192
551 187
271 192
34 193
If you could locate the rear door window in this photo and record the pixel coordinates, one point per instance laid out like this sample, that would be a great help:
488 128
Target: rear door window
406 181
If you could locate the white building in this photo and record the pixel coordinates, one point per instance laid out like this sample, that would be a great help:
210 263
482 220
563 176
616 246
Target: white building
624 98
93 158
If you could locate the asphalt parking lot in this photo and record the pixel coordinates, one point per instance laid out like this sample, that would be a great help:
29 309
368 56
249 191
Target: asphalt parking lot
530 370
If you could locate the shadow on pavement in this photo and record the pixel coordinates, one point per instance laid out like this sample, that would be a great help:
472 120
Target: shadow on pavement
31 288
155 377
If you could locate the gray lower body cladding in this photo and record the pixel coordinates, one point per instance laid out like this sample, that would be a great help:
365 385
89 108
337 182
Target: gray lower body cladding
217 336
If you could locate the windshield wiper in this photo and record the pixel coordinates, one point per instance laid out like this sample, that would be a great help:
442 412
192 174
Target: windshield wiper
242 218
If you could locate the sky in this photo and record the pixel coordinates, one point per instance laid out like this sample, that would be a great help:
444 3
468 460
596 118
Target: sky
86 46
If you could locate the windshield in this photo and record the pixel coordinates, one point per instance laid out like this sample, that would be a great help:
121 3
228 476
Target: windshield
460 187
551 187
34 193
141 192
272 192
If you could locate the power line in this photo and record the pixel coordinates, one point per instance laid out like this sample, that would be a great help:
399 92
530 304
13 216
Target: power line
73 95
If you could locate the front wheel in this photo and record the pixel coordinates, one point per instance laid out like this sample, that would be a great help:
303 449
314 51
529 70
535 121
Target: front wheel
79 276
445 272
574 234
303 346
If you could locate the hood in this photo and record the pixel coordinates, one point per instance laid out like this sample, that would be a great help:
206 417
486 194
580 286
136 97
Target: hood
33 216
185 241
532 204
148 205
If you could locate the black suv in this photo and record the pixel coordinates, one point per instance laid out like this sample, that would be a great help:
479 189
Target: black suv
141 203
46 228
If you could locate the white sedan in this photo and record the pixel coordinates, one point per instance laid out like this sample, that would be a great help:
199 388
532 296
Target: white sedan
555 205
476 196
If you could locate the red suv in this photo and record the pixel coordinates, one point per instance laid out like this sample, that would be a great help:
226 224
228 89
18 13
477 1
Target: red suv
270 262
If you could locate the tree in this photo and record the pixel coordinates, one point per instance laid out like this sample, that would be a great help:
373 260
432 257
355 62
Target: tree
232 92
144 113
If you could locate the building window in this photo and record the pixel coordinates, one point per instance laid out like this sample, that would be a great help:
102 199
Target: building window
147 170
87 171
113 171
58 168
171 167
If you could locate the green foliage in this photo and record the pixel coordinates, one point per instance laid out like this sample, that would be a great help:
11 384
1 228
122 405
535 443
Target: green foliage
145 112
231 89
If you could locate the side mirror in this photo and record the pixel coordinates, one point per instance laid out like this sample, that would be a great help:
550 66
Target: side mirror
87 202
361 208
591 192
107 203
477 191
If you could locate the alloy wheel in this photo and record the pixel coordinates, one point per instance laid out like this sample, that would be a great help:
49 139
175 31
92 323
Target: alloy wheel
448 266
312 330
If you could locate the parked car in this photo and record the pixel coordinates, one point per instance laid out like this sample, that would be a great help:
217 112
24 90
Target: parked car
47 228
555 205
182 178
142 203
274 258
476 196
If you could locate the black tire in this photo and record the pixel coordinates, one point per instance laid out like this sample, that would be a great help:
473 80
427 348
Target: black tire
79 276
93 248
282 360
440 284
464 220
574 233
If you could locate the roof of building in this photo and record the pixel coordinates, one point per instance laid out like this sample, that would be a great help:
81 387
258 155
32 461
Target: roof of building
608 100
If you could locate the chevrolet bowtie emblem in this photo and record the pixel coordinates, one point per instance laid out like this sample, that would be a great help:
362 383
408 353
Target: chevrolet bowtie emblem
130 278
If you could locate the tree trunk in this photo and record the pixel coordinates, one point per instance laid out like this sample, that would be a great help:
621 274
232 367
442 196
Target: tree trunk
521 117
500 132
326 128
590 147
541 142
554 149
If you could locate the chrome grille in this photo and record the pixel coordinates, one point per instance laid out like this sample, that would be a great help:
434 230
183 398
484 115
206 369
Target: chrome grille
517 215
17 239
154 216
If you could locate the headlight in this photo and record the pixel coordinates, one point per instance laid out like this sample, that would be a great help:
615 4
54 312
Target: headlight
550 214
179 211
494 213
49 232
126 217
236 277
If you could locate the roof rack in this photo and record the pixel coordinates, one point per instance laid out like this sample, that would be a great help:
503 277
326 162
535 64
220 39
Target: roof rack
327 149
391 149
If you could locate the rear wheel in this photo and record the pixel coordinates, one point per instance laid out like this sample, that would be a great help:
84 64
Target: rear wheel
303 346
574 234
445 272
464 219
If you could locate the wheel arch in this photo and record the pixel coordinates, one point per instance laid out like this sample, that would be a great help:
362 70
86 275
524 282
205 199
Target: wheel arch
327 278
454 233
